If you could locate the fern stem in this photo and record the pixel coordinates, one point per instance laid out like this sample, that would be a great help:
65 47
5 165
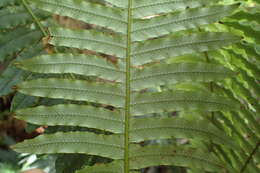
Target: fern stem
128 88
38 23
250 157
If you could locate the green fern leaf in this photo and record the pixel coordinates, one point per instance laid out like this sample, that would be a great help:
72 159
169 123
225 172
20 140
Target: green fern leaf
21 101
182 72
92 40
109 146
142 157
169 47
76 64
12 76
250 16
87 12
74 90
15 16
133 33
246 28
162 25
74 115
179 101
162 128
143 8
16 40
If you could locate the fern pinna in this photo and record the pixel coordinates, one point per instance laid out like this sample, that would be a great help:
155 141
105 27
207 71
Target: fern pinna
142 35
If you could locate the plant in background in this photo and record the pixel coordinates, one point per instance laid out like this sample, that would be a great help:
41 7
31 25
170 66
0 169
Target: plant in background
243 58
19 39
150 84
18 34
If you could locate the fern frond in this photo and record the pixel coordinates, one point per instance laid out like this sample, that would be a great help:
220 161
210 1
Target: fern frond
244 63
142 157
92 40
143 129
244 58
11 17
8 78
180 72
110 146
145 8
246 15
74 115
163 25
250 82
18 34
160 49
251 51
16 40
238 91
74 90
247 29
245 93
179 101
87 12
21 101
132 33
12 76
76 64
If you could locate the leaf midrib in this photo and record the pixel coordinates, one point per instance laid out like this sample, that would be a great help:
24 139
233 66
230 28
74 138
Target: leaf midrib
74 89
179 100
68 142
76 63
74 115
